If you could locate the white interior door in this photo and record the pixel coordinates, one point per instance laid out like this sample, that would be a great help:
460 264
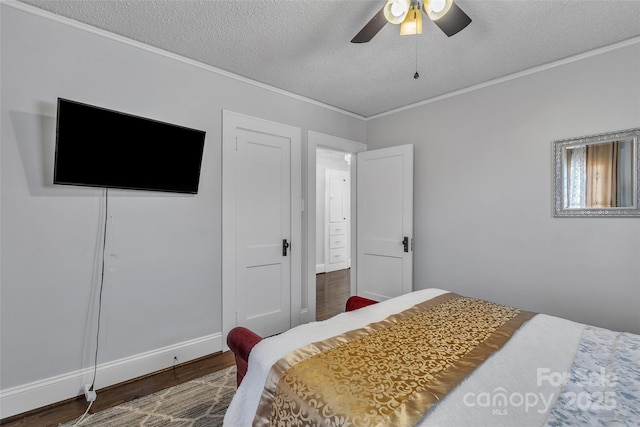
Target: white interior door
264 207
385 222
337 204
261 225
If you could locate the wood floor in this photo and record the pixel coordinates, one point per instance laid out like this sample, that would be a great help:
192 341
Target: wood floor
332 291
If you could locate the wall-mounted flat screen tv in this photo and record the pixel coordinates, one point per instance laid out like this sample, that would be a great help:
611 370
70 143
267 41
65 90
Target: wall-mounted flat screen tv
97 147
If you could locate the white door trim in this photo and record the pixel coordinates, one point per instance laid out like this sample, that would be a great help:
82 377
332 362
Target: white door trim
320 140
230 122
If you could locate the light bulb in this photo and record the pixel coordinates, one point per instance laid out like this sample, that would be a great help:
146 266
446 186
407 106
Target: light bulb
437 6
397 9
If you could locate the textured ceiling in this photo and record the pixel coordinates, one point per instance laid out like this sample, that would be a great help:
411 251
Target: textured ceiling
304 46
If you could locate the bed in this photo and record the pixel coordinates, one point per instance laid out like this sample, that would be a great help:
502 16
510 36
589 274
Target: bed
435 358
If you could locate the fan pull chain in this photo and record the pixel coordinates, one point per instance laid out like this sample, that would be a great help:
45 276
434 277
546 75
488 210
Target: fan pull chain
416 75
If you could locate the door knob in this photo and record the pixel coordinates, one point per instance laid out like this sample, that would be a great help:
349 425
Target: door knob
405 243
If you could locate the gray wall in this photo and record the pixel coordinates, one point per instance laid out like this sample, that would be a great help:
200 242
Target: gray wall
163 277
483 205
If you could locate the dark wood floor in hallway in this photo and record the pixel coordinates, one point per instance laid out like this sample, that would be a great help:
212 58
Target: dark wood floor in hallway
332 291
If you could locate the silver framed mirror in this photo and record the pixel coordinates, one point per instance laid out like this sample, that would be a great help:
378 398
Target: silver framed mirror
597 175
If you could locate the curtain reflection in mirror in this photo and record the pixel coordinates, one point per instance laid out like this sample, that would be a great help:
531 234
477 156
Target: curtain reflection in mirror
602 174
576 179
599 175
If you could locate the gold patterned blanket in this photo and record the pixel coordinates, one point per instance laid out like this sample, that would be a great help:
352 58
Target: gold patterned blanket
389 373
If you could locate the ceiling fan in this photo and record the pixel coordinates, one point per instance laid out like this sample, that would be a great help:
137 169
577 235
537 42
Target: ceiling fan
444 13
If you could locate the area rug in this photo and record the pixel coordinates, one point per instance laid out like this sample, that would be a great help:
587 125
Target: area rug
198 403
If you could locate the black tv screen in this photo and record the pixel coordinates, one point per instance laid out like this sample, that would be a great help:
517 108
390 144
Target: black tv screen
97 147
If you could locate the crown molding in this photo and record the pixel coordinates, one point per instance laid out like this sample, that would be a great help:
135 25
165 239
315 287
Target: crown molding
534 70
112 36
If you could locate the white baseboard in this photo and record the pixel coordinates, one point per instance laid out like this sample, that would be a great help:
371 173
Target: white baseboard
27 397
320 268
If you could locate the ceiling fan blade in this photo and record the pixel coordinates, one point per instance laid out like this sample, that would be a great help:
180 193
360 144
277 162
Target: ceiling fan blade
371 29
453 22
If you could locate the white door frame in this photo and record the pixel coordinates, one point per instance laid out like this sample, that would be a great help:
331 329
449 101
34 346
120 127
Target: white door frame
230 122
320 140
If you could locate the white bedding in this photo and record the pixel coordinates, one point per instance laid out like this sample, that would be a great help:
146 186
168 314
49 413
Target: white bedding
523 373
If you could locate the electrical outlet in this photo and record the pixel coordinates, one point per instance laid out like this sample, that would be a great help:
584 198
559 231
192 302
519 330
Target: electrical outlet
88 393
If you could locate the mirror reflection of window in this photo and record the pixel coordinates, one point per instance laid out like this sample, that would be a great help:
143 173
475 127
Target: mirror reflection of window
599 175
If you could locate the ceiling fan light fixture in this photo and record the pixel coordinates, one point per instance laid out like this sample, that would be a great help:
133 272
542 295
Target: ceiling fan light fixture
448 17
436 9
395 11
413 23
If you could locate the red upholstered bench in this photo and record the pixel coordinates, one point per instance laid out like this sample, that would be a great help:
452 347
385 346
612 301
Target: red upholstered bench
355 302
241 340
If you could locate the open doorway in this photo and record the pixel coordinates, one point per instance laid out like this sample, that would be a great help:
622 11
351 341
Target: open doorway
333 231
333 210
346 275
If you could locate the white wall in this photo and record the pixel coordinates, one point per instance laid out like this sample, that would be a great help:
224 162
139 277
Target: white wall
483 191
163 284
325 159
